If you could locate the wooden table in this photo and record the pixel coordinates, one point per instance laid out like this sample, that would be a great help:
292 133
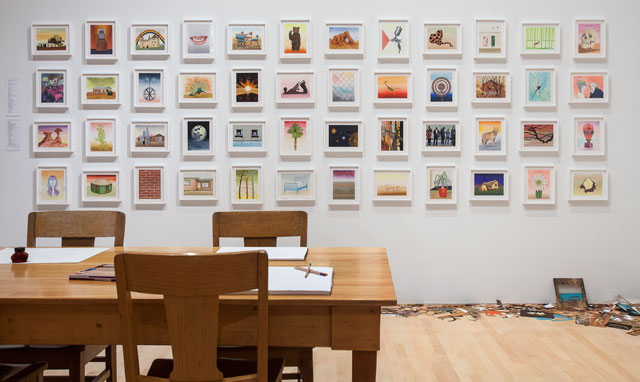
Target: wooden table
40 305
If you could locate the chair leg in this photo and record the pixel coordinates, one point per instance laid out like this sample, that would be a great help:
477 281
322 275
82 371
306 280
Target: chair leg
111 362
306 364
76 368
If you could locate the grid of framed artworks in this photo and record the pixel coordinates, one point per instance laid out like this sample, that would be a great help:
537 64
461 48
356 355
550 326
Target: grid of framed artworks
396 135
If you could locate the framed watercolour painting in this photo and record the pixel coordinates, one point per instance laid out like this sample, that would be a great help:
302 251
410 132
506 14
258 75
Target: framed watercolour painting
393 40
51 137
197 40
197 137
491 87
344 185
149 184
344 40
588 185
344 88
442 88
540 87
491 40
100 137
52 185
539 136
589 136
295 88
442 184
148 89
100 41
440 136
101 186
247 88
489 185
246 39
391 185
589 88
590 39
150 40
149 137
247 137
198 184
295 185
52 89
393 88
393 136
100 89
491 137
295 39
197 88
343 137
539 185
442 40
540 39
296 137
50 40
246 184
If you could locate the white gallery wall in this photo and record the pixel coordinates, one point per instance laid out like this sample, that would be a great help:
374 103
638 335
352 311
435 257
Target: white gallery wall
469 253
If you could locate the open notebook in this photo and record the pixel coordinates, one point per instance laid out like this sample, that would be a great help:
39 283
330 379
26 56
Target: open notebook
288 280
274 253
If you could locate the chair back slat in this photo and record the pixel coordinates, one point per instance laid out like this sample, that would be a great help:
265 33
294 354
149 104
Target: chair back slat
254 225
76 228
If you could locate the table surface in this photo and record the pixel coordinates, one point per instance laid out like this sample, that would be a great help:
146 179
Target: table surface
361 277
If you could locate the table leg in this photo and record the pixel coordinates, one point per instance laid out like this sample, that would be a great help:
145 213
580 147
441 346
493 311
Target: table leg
363 366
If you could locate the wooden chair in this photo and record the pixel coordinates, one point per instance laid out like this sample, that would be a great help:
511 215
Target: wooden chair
262 229
22 373
77 229
191 287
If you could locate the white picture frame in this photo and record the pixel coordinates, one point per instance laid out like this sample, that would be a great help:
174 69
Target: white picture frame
400 36
451 145
98 93
583 82
101 52
48 92
347 49
301 149
340 81
490 37
393 126
196 81
152 42
581 130
102 146
484 79
434 184
198 40
104 184
290 182
51 191
194 144
151 142
286 42
386 93
441 82
52 140
233 182
249 37
194 184
338 137
540 83
383 191
295 88
44 47
243 137
583 44
586 181
542 180
534 136
145 97
155 186
533 43
491 143
488 176
340 194
431 47
247 77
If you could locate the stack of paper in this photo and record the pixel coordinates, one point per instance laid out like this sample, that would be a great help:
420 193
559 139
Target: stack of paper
52 255
274 253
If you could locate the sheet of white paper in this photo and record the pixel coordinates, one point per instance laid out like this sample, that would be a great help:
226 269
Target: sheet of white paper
288 280
52 255
274 253
13 96
13 134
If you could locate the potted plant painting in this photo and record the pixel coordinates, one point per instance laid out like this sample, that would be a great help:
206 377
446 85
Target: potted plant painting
539 183
441 181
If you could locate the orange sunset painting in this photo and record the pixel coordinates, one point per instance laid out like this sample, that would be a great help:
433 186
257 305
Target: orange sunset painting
392 86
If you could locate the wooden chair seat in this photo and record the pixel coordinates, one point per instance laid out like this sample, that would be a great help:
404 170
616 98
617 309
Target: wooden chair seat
22 373
230 368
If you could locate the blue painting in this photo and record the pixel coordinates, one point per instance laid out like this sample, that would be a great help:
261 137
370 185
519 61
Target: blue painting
441 86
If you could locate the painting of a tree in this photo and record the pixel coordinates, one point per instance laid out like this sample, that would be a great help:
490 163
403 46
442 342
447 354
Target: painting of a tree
246 176
296 132
101 138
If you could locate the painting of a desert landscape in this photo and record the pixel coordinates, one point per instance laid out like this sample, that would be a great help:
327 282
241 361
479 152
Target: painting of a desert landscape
392 183
344 37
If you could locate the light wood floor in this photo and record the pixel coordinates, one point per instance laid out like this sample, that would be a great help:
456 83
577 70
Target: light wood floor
492 349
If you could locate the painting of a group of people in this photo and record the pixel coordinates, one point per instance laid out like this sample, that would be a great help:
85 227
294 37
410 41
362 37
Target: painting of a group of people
443 135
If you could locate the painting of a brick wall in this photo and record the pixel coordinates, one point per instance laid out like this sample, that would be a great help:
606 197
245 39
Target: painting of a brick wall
150 184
